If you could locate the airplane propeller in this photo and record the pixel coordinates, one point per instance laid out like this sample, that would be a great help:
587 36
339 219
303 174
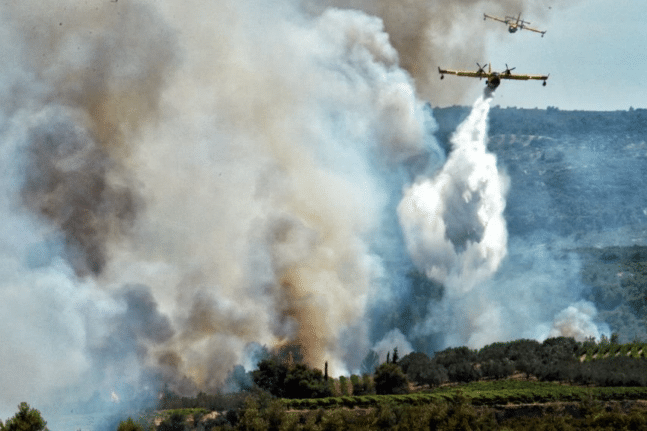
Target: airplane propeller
508 71
481 69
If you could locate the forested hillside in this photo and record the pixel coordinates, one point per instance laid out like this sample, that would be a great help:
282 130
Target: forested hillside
571 171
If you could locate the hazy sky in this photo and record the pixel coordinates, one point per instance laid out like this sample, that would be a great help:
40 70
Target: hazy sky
594 52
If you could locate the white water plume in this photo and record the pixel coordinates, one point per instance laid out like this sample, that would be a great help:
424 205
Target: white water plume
453 222
454 227
456 234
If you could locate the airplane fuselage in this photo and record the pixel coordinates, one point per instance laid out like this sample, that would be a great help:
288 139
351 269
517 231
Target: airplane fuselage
514 23
493 80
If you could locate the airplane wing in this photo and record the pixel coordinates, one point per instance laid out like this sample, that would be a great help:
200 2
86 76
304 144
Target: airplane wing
472 74
535 30
523 77
494 18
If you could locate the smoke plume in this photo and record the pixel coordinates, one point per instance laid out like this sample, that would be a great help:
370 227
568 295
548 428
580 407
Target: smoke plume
187 183
183 181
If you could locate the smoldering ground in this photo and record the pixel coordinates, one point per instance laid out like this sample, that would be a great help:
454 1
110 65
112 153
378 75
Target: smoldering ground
185 180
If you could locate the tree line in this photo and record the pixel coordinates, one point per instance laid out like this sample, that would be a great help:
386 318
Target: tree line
556 359
603 363
560 359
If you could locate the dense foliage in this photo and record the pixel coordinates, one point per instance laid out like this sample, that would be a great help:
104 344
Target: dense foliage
290 381
26 419
389 379
455 413
233 401
556 359
130 425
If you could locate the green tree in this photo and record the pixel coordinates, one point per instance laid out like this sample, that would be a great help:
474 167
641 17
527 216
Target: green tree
250 419
129 425
421 369
389 379
362 385
464 372
295 381
302 381
270 376
27 419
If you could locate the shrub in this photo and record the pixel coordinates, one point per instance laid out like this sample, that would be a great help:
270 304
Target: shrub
368 386
389 379
129 425
304 382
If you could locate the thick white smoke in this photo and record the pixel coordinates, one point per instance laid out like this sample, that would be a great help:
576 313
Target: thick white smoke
577 321
537 292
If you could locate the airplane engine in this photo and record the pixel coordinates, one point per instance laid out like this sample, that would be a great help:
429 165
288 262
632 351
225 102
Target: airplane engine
493 82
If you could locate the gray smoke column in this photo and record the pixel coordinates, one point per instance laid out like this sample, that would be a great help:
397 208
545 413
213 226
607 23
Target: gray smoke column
77 84
184 180
261 185
86 78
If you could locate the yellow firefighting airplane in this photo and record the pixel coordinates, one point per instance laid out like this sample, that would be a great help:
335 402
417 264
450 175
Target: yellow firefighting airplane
514 24
493 79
